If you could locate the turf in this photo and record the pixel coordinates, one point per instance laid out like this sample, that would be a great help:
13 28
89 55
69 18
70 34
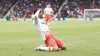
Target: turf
19 38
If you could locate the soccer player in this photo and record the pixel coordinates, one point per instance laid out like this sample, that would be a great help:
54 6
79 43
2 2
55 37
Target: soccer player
48 12
52 43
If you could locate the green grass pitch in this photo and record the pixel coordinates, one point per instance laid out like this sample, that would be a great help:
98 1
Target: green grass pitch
19 38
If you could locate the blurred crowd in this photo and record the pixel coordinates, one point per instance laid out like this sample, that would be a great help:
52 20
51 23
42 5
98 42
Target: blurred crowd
5 6
25 8
75 8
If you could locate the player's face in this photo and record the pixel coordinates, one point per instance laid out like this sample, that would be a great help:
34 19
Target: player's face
48 5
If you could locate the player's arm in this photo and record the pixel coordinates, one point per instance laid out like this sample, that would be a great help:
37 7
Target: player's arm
52 12
36 20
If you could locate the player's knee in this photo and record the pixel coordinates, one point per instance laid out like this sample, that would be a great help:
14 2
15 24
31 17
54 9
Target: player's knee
63 48
55 48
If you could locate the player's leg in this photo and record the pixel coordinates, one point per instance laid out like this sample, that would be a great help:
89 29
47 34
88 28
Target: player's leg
60 44
48 18
47 48
43 48
50 44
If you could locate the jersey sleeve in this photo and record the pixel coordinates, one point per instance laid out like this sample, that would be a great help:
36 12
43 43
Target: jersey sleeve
36 18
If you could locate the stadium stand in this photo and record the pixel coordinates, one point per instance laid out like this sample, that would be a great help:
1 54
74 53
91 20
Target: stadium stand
25 8
5 6
75 8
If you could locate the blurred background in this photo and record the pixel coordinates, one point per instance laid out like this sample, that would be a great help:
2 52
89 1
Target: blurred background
63 9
